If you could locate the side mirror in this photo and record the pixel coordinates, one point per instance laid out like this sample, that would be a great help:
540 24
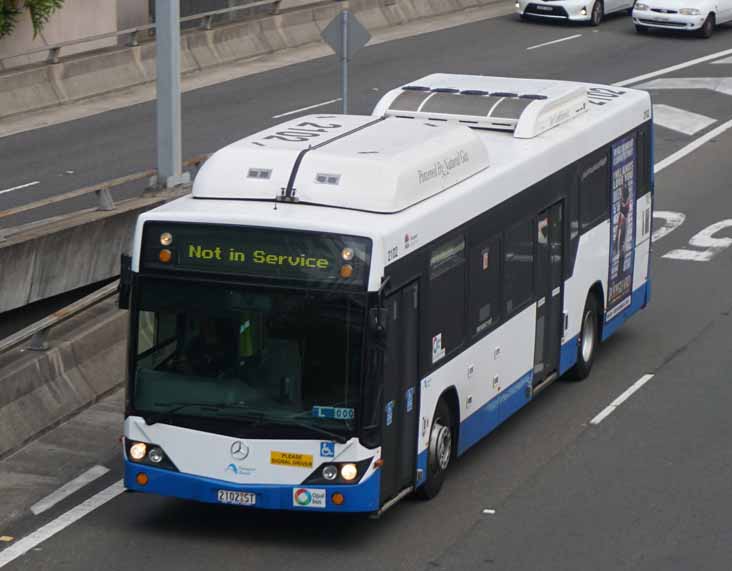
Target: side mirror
125 281
378 318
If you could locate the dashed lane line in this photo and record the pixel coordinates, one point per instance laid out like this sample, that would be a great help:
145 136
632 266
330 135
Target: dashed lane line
609 409
23 546
308 108
26 185
69 488
555 42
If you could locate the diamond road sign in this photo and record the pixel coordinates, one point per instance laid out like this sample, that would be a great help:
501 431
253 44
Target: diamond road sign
357 35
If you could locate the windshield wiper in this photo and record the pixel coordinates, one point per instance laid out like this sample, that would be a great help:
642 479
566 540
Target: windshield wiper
292 422
253 416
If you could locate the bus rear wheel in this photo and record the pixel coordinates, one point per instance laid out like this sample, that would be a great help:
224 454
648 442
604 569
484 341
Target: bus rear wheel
589 339
440 451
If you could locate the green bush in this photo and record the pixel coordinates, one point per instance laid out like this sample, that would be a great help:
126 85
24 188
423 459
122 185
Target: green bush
40 11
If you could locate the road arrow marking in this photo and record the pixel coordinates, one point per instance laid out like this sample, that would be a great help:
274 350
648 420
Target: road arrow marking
719 84
725 60
680 120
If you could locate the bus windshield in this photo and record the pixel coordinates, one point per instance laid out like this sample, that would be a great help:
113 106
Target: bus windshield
254 355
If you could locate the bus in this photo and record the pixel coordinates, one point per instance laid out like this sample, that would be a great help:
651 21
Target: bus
346 304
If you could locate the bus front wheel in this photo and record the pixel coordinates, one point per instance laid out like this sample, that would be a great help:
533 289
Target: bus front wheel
440 451
589 339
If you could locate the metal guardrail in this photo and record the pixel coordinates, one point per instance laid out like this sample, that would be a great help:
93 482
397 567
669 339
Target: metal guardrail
102 190
38 332
54 50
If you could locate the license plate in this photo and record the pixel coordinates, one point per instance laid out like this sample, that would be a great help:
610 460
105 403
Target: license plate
237 498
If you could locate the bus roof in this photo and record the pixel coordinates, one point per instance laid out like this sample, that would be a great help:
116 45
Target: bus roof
378 176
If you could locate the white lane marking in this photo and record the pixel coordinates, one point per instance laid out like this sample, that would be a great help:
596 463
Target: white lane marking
609 409
725 60
706 240
555 42
691 147
26 185
308 108
669 69
18 549
671 221
69 488
680 120
718 84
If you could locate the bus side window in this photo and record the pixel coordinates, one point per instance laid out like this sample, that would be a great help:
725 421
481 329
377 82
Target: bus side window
518 267
484 306
643 165
594 186
446 298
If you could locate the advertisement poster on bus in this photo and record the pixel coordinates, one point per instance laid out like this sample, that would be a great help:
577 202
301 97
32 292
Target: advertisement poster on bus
622 227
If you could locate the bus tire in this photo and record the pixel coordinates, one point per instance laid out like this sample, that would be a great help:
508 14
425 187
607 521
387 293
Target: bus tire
440 451
589 339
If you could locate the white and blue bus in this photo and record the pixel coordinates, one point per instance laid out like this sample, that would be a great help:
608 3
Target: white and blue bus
345 304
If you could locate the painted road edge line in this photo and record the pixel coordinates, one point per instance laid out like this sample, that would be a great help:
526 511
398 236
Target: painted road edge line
69 488
26 185
676 67
555 42
63 521
308 108
609 409
691 147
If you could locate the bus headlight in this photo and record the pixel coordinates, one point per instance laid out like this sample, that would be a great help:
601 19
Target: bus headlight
330 472
155 455
166 239
138 451
349 472
347 254
147 453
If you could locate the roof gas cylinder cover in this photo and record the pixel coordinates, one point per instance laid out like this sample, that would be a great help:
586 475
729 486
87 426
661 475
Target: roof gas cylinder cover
392 164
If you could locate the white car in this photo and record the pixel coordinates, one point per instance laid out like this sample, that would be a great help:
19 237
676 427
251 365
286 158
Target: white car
698 16
590 11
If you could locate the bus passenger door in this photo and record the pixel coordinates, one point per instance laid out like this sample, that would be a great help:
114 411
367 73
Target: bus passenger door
549 233
400 420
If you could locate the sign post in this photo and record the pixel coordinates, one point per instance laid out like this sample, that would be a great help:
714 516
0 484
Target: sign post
167 62
345 35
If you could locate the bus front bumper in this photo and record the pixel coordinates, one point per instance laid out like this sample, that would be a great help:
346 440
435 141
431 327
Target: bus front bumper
361 497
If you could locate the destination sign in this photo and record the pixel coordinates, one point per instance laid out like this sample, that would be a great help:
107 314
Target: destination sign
264 252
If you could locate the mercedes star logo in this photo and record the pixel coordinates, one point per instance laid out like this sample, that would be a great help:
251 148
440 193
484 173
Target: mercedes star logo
239 450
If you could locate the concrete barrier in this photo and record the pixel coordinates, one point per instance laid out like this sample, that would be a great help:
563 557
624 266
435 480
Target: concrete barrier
70 252
38 390
95 74
27 89
297 23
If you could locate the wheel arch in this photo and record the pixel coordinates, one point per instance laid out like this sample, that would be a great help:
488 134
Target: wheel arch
450 396
597 291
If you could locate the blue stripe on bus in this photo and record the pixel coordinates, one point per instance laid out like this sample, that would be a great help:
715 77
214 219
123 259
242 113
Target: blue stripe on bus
361 497
494 412
568 355
638 302
486 419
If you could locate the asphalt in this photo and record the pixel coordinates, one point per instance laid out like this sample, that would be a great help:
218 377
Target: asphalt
647 488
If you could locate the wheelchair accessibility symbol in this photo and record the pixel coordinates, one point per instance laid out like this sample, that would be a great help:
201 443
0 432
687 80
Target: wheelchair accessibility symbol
327 449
